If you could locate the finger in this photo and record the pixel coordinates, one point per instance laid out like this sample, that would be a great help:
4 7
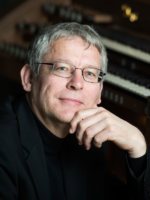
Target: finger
79 116
93 122
91 132
89 126
101 137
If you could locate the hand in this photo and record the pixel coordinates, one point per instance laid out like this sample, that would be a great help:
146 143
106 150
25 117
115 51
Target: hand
98 125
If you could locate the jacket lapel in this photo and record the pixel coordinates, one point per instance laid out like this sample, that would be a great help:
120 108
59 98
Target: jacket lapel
37 167
33 149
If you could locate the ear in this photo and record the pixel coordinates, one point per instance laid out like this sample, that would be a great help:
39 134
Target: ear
26 77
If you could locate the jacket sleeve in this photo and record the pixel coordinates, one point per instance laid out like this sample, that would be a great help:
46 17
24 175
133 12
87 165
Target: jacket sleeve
139 183
147 178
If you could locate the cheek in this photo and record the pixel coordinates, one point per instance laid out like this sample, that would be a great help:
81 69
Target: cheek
47 90
94 96
39 88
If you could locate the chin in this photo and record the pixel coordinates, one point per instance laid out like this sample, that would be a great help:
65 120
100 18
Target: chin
66 117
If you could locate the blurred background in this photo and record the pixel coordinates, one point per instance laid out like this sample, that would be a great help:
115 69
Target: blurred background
124 26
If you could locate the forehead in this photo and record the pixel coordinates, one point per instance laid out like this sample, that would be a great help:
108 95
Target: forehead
74 49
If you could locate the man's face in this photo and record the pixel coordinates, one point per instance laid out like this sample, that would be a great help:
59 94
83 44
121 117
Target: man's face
57 99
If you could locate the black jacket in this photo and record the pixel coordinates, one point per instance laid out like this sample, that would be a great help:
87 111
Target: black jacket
23 169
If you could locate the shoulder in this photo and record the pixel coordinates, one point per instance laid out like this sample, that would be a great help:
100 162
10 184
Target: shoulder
9 105
8 122
7 115
6 108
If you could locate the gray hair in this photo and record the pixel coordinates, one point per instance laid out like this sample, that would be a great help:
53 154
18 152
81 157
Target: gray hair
46 38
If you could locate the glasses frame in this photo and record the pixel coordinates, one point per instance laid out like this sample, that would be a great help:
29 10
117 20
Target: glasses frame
100 77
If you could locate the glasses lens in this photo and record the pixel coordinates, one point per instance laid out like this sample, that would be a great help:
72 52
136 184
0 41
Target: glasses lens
62 69
91 74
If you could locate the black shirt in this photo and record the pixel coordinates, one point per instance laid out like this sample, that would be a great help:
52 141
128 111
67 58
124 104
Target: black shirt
53 147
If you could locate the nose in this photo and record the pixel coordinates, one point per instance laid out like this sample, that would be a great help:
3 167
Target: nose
76 81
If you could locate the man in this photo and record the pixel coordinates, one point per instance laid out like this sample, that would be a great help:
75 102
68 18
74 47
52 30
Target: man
53 140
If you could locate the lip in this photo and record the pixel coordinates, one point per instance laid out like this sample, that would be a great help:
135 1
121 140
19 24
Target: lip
71 100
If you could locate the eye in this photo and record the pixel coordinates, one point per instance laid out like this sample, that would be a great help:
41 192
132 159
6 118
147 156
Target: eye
61 67
90 73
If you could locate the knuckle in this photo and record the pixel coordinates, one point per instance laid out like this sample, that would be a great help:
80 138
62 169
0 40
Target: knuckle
111 128
108 120
105 113
101 108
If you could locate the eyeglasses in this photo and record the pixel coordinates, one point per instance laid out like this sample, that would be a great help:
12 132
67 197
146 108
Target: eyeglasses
66 70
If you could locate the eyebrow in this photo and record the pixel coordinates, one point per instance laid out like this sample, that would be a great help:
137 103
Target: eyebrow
69 62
